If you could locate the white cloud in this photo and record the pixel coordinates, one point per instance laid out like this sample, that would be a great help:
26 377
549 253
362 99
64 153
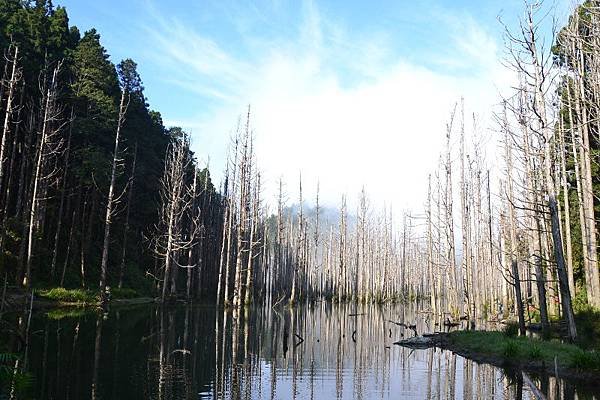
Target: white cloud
383 131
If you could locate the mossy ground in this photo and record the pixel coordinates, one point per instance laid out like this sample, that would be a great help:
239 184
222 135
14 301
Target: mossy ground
524 350
83 296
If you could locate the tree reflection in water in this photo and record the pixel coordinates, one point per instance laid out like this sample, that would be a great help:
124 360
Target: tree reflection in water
319 351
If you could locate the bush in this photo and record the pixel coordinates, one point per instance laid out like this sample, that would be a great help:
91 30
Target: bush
585 360
136 279
21 381
535 316
588 327
580 303
510 349
511 329
535 352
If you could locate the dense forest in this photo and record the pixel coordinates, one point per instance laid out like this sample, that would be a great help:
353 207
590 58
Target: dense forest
86 164
98 193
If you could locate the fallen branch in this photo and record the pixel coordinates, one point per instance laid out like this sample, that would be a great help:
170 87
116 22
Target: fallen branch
411 327
278 301
536 392
301 340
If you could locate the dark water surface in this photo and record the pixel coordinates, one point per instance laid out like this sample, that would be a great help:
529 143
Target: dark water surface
323 351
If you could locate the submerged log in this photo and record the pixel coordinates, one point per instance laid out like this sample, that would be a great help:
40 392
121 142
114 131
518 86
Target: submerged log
419 342
450 324
534 390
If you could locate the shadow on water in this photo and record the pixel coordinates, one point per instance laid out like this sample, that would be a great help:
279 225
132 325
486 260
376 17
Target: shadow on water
320 351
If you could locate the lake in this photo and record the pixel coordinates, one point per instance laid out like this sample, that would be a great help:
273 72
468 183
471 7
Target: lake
320 351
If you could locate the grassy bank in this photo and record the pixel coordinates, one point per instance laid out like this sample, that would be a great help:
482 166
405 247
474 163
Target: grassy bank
82 296
58 296
501 348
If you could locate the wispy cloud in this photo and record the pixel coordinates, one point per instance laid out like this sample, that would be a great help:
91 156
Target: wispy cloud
344 109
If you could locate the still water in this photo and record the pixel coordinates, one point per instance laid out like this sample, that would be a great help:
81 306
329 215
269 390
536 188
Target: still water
322 351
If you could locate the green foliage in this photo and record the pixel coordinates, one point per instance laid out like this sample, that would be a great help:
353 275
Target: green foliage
137 280
79 296
67 312
89 90
578 24
6 358
455 312
587 319
511 329
580 303
525 349
486 310
20 382
535 316
82 297
535 352
585 360
510 349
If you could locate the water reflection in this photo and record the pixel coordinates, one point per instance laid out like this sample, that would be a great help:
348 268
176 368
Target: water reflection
322 351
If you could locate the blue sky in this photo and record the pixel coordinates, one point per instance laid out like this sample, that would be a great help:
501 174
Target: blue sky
350 93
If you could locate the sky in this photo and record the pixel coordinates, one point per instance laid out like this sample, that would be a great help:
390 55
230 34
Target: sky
344 93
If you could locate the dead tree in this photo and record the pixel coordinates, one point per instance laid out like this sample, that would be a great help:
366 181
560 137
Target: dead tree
49 146
175 203
15 77
127 214
111 199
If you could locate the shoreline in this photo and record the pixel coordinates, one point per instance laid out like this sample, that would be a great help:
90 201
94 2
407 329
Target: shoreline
516 355
463 344
18 301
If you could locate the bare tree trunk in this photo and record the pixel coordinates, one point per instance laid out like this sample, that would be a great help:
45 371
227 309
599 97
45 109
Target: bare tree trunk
191 249
127 212
243 217
223 242
62 197
563 151
254 226
41 157
592 275
455 291
430 261
176 203
298 261
540 111
535 217
513 237
466 245
110 200
14 79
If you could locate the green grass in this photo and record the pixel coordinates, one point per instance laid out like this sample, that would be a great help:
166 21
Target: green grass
587 320
535 352
585 360
67 312
510 349
79 296
82 296
511 329
523 349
